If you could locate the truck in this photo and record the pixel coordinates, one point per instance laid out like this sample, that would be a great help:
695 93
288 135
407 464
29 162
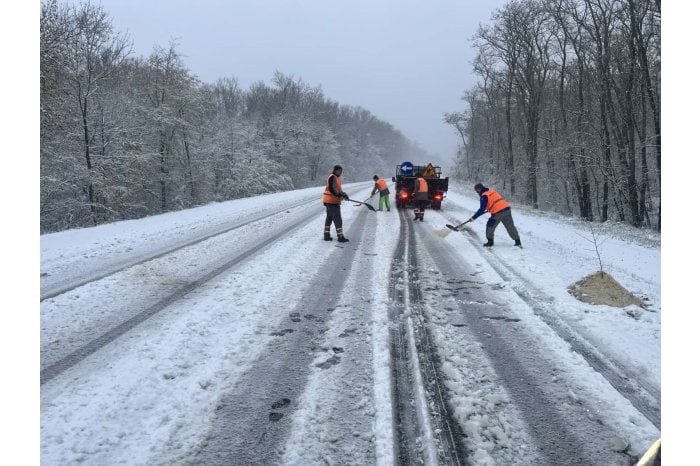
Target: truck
405 178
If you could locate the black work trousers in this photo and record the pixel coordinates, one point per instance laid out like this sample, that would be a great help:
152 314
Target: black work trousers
333 216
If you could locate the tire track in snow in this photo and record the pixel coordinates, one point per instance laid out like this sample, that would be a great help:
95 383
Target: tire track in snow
644 397
564 430
426 432
244 430
118 267
73 358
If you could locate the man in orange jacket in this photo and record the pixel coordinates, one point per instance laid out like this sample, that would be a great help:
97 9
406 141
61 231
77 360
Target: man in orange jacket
499 209
332 197
420 198
381 186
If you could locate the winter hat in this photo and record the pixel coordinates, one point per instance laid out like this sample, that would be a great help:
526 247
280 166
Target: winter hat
337 167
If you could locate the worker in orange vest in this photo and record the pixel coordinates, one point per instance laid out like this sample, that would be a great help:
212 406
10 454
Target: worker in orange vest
381 186
420 198
499 208
332 197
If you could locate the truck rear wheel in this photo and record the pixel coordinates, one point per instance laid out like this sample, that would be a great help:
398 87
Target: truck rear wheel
436 205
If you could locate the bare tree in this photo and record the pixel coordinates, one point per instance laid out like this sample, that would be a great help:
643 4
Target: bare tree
94 53
569 89
127 137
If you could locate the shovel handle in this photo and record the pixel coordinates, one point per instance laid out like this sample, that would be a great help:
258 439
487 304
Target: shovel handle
461 224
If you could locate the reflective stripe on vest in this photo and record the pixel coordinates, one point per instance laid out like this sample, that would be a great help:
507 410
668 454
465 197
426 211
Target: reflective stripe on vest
495 202
328 196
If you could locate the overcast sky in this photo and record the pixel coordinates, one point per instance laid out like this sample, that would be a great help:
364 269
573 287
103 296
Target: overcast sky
406 61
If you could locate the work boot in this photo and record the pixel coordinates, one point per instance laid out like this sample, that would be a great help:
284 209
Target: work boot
488 243
517 243
327 237
342 239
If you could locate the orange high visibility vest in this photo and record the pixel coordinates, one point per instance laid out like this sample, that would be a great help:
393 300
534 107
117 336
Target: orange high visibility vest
422 185
495 202
381 184
328 196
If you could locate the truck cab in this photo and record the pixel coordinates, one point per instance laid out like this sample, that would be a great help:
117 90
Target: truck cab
405 177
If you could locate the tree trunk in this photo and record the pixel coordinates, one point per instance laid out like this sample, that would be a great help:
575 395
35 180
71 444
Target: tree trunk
583 186
88 156
607 161
510 158
630 161
163 151
532 155
190 181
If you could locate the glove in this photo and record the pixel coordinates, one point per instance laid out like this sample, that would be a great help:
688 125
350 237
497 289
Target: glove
470 220
343 195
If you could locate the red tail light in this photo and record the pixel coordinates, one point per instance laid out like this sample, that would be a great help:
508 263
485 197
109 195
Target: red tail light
403 195
438 196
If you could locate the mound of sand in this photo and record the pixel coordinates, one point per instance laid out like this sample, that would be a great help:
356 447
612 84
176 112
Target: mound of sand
601 288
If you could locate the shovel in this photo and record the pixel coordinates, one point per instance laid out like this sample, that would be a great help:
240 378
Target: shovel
363 202
369 206
450 228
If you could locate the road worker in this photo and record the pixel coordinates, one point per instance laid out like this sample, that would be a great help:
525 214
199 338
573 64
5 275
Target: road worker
381 186
332 197
499 208
420 198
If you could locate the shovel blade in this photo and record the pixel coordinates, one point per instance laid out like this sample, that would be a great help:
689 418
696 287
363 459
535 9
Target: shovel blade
453 228
369 206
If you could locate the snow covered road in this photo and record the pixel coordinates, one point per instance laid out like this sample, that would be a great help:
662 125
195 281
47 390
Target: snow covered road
232 333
